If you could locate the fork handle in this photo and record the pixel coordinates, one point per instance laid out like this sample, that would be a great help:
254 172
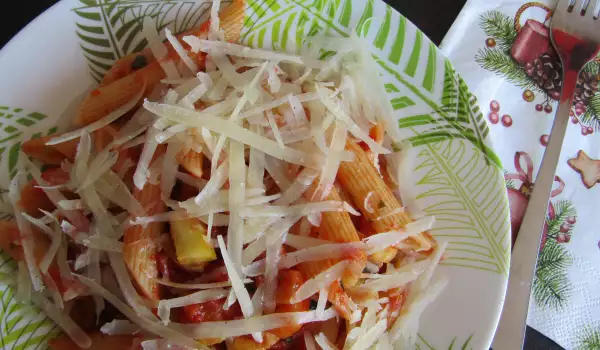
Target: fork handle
511 329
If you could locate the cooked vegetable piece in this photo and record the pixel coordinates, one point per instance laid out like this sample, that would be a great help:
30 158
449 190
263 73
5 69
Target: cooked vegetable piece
192 248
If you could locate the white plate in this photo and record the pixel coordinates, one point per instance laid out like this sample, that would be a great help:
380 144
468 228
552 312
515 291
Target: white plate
54 61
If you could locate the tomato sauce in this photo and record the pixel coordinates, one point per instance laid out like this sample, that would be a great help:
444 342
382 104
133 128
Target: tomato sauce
210 311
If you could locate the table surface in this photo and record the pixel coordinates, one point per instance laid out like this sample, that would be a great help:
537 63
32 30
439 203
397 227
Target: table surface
433 24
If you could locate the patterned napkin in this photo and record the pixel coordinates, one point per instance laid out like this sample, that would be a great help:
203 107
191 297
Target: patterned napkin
502 49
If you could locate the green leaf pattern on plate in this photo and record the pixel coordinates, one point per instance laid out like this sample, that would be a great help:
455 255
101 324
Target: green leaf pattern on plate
14 123
21 326
109 29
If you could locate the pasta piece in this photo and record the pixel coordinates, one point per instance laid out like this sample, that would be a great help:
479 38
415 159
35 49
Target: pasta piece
337 226
128 64
232 19
105 99
192 162
336 295
99 342
37 149
361 179
10 242
103 137
140 250
288 283
33 199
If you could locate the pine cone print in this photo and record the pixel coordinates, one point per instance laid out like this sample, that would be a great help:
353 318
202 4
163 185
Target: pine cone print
546 71
587 86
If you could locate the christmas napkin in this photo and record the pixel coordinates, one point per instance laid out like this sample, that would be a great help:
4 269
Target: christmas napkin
502 50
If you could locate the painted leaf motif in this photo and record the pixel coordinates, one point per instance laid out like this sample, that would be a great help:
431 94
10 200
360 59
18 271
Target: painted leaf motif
14 123
21 326
109 29
456 344
459 188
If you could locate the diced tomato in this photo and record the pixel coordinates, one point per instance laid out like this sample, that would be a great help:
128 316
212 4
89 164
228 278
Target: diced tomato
55 176
288 283
210 270
376 133
210 311
294 342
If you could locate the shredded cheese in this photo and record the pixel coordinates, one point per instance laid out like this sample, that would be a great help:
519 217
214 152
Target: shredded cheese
27 241
268 123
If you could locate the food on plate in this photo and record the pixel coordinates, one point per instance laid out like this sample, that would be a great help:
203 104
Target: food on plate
213 195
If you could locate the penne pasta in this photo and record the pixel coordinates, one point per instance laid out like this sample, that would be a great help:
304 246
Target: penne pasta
337 226
232 20
104 136
336 295
288 283
143 191
140 249
33 199
37 149
105 99
10 242
127 65
361 180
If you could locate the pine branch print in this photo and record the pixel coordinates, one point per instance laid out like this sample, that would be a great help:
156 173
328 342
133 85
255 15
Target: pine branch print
591 116
551 286
589 339
500 27
499 62
563 210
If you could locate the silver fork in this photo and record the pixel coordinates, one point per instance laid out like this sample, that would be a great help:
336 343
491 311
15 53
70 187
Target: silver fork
575 33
